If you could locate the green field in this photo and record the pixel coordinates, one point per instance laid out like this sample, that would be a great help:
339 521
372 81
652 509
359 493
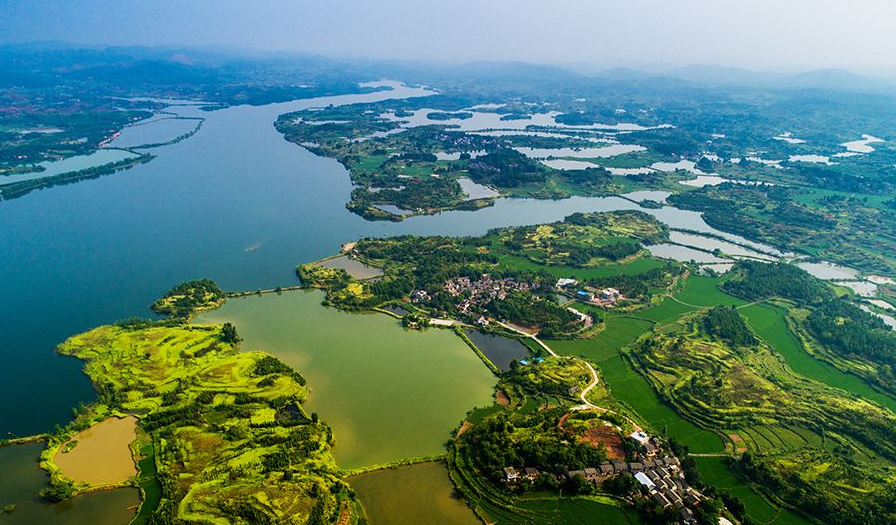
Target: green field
639 265
716 472
630 387
616 334
769 323
580 511
705 292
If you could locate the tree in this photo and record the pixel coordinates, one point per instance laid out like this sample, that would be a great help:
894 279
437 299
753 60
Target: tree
229 335
621 484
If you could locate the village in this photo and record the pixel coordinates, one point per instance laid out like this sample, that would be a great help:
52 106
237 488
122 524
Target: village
658 473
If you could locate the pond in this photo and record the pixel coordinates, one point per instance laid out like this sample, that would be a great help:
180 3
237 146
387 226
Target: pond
354 267
101 455
682 253
22 480
581 153
863 145
473 190
565 164
711 243
501 351
420 494
388 393
828 271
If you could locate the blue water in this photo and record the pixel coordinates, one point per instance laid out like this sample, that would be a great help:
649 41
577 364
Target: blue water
235 203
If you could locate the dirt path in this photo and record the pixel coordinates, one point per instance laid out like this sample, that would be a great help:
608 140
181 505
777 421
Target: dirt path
594 377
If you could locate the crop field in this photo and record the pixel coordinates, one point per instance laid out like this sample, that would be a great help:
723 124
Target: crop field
581 511
774 439
630 387
633 267
705 292
768 322
716 472
618 332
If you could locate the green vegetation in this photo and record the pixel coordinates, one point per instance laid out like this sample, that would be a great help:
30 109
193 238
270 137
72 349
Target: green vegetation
225 432
843 333
845 230
509 274
190 297
810 441
725 323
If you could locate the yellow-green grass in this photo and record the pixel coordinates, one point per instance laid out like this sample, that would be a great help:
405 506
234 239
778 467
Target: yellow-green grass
196 395
769 323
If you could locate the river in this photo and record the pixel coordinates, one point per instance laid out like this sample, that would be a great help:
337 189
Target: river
235 203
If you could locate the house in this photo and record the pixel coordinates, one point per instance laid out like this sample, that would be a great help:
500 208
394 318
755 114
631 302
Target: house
650 450
585 295
511 474
636 467
644 480
661 500
649 464
639 437
687 516
573 473
563 283
610 294
482 321
530 472
591 474
606 468
619 466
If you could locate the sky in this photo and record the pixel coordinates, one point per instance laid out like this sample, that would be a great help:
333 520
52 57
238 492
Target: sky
758 34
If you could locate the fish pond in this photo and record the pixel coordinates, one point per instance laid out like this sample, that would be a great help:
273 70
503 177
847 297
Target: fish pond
411 495
501 351
23 481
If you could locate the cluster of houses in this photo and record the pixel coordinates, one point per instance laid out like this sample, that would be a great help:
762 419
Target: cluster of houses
603 297
477 293
662 477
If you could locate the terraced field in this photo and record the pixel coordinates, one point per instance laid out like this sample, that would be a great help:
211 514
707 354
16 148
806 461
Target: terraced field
769 323
715 471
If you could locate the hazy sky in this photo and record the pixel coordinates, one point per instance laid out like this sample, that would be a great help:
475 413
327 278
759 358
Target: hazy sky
772 34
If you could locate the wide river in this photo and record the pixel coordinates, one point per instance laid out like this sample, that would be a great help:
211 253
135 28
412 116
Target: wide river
235 203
